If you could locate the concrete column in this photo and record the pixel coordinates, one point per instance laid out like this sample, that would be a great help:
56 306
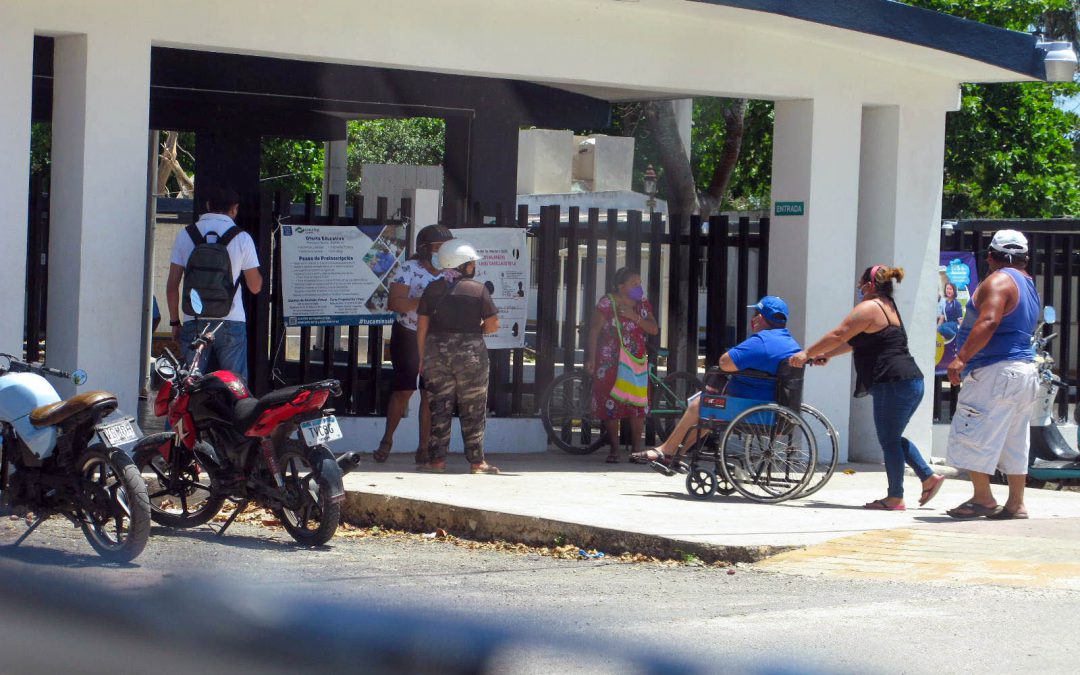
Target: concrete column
98 228
16 77
899 225
812 256
335 173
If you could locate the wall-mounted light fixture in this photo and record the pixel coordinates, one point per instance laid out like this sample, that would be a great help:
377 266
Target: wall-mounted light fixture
1060 60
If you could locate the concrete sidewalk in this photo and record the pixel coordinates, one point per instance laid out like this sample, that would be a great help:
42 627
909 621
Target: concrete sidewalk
628 507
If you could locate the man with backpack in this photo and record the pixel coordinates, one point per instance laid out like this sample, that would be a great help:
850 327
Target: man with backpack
213 257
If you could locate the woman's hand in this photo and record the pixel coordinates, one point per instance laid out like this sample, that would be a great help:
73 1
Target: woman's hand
799 360
820 360
630 314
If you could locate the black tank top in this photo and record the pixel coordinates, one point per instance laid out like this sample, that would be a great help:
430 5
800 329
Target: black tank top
882 356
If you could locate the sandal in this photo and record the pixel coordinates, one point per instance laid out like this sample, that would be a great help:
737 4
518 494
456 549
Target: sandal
432 467
612 458
484 467
930 492
383 453
422 456
882 505
646 456
1006 514
969 510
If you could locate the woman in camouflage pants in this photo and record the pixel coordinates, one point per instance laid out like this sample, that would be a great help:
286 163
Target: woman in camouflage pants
455 313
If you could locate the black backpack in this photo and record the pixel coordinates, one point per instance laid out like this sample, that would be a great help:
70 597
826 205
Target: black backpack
209 271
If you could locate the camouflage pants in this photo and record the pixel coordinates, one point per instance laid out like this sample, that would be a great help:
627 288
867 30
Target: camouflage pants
456 368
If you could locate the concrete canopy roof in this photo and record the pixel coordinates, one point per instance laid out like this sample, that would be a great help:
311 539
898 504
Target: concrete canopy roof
948 47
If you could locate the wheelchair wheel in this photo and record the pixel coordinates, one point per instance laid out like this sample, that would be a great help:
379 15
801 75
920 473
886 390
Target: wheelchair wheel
701 482
705 454
827 440
565 410
768 453
669 401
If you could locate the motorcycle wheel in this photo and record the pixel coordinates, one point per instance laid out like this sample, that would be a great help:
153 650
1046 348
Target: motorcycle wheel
117 522
182 500
316 519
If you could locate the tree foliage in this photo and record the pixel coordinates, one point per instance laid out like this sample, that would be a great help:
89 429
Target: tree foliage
751 181
1010 151
291 166
415 141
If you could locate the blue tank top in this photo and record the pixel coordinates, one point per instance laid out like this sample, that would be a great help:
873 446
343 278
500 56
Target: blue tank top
1012 339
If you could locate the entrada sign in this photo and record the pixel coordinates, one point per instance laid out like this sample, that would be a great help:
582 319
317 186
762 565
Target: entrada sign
789 209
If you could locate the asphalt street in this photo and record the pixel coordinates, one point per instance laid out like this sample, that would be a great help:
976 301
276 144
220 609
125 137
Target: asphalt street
751 618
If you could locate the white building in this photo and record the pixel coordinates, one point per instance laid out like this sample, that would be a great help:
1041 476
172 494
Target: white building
861 98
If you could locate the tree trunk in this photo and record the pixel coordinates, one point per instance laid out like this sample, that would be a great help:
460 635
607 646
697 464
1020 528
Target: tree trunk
169 165
712 198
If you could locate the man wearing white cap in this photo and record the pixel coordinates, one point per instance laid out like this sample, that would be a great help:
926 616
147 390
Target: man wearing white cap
996 362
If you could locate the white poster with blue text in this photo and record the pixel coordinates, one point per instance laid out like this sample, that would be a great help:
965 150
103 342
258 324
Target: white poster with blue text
504 270
338 275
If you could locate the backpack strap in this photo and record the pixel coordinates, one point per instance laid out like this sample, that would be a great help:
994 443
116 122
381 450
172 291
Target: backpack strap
196 236
230 234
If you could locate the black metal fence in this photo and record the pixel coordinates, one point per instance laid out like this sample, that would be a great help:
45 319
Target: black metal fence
1055 266
37 269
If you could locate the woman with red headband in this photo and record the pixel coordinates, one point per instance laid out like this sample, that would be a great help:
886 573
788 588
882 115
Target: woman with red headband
884 368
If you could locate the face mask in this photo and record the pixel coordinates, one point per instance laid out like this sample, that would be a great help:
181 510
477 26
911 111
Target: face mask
859 295
435 260
637 294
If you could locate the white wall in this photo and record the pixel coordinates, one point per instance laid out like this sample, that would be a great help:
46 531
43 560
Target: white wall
545 160
16 60
395 181
98 209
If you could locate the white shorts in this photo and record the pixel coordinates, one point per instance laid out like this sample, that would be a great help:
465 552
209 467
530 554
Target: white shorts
990 428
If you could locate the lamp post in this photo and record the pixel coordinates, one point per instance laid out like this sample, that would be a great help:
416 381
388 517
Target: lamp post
649 183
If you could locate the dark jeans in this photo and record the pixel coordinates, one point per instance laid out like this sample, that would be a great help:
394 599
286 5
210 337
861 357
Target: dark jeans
229 350
894 404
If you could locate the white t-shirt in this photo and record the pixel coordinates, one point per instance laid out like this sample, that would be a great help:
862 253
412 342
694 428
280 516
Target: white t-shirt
412 274
241 249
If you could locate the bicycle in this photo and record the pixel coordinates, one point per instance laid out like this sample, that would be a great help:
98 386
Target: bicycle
565 407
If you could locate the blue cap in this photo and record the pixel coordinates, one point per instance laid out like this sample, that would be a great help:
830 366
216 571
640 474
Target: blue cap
772 308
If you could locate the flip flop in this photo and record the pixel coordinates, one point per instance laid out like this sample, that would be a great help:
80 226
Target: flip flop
646 456
973 511
1006 514
612 459
882 505
931 492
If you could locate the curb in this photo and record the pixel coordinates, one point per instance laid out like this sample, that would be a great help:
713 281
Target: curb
415 515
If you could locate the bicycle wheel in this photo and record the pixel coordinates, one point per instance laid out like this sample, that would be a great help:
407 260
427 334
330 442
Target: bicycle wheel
827 439
566 411
669 400
768 453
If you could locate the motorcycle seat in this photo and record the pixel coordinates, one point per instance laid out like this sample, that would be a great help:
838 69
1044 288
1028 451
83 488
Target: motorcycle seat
56 413
248 410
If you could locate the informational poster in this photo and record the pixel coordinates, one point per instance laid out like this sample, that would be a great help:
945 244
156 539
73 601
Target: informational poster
339 275
504 269
957 278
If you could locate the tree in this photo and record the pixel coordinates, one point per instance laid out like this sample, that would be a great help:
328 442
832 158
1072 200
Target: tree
291 166
1010 151
416 140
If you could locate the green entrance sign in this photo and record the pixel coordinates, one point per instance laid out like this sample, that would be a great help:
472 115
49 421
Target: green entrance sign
789 209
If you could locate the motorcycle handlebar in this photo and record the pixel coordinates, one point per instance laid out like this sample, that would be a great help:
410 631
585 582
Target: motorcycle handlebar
17 365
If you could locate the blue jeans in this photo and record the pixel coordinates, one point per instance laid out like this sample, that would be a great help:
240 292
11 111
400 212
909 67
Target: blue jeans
894 404
228 351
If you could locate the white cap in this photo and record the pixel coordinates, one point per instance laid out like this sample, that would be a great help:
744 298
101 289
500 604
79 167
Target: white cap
1009 242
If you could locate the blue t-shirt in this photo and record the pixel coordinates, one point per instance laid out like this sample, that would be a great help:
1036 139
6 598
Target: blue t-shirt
765 351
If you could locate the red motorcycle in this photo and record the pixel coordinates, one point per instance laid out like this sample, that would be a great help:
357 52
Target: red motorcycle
227 444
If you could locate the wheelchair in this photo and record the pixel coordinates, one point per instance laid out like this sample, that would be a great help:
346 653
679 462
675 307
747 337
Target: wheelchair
767 451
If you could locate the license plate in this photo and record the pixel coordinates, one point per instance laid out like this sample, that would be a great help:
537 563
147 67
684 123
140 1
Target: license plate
322 430
118 433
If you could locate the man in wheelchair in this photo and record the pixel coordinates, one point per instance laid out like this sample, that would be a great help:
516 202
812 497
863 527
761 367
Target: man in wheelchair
770 345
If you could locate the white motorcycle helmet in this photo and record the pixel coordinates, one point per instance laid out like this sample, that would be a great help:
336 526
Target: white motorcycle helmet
456 253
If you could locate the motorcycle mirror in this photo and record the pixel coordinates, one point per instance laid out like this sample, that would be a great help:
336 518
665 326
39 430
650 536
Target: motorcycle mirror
79 377
196 301
1049 315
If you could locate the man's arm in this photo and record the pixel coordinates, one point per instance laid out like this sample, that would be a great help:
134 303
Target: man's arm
253 279
995 296
172 296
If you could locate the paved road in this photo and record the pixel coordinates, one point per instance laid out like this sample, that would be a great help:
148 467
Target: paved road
754 616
